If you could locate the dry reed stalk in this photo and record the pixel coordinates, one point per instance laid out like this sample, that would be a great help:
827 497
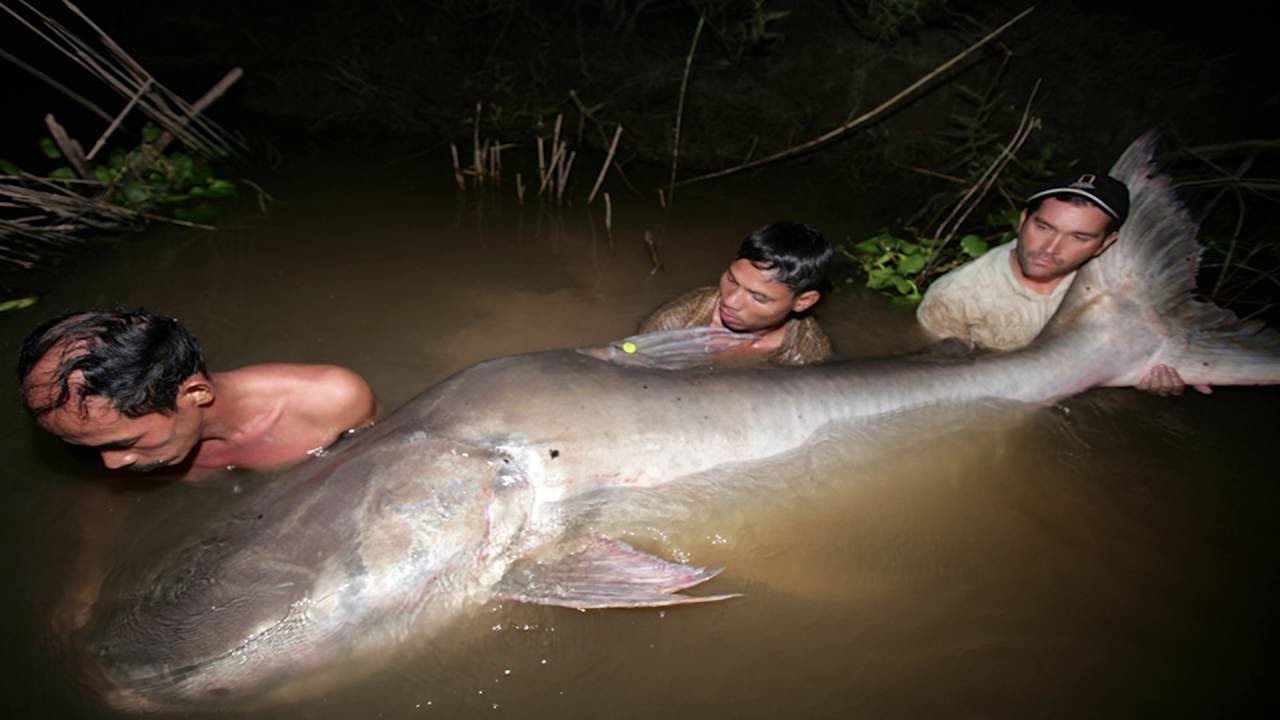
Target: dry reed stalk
608 216
542 162
566 166
662 199
866 117
613 148
655 262
519 189
555 134
557 157
457 168
124 75
675 132
969 201
102 140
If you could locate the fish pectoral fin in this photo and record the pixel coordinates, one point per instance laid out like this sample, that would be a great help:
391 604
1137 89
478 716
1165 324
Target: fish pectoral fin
605 573
671 349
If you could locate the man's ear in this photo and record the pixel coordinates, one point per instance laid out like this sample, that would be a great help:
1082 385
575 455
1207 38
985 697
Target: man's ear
196 391
805 300
1106 243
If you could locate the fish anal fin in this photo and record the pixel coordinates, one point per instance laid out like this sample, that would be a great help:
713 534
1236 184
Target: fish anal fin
603 573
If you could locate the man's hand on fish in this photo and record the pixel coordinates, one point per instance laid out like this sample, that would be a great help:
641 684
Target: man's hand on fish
1164 380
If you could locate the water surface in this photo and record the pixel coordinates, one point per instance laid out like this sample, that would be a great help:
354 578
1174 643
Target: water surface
1111 556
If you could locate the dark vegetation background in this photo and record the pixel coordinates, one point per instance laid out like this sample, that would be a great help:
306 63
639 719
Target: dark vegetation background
389 79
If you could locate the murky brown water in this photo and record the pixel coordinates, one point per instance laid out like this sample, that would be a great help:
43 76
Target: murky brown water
1112 557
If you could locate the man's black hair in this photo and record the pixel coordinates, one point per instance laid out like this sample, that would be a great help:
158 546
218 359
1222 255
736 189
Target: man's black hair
797 254
131 357
1113 224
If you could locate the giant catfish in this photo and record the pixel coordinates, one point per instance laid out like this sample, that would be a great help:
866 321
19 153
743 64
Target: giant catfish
476 490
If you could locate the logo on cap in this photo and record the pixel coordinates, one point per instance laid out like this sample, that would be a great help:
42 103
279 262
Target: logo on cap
1085 181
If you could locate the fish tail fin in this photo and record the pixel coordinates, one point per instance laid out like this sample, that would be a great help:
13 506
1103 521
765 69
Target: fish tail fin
1148 277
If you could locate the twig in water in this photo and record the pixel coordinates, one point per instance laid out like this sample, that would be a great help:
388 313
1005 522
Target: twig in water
613 147
566 165
675 133
542 165
655 263
608 217
457 168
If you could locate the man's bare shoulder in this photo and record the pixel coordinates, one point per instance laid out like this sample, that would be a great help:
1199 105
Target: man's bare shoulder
331 395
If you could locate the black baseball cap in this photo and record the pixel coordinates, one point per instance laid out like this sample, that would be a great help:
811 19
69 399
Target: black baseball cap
1103 190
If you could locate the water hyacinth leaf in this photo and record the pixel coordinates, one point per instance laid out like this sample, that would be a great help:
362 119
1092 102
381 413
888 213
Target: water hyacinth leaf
50 148
63 173
220 188
870 246
183 168
911 264
8 168
879 277
973 245
17 304
117 159
103 173
903 285
136 194
150 133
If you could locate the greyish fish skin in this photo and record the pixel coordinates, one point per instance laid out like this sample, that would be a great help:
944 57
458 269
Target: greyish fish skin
472 491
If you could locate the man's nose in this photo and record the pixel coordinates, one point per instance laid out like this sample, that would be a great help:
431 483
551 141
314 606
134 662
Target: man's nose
1054 244
116 459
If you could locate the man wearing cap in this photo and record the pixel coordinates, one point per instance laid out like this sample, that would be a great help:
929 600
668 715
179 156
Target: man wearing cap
1002 300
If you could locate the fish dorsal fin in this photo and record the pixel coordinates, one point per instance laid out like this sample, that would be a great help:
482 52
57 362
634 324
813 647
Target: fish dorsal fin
672 349
603 573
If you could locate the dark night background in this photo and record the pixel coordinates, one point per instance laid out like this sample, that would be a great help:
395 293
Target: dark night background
382 77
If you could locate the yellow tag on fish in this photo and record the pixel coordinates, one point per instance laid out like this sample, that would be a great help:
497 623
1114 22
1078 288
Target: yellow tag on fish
628 347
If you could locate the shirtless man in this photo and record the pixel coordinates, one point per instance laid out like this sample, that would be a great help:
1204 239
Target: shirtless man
1002 300
766 291
133 387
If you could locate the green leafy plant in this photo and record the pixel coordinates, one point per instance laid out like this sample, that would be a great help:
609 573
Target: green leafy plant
899 266
148 181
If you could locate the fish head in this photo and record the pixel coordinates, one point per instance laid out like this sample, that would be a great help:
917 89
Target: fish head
315 586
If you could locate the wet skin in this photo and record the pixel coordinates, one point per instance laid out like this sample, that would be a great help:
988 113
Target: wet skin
1055 240
752 301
